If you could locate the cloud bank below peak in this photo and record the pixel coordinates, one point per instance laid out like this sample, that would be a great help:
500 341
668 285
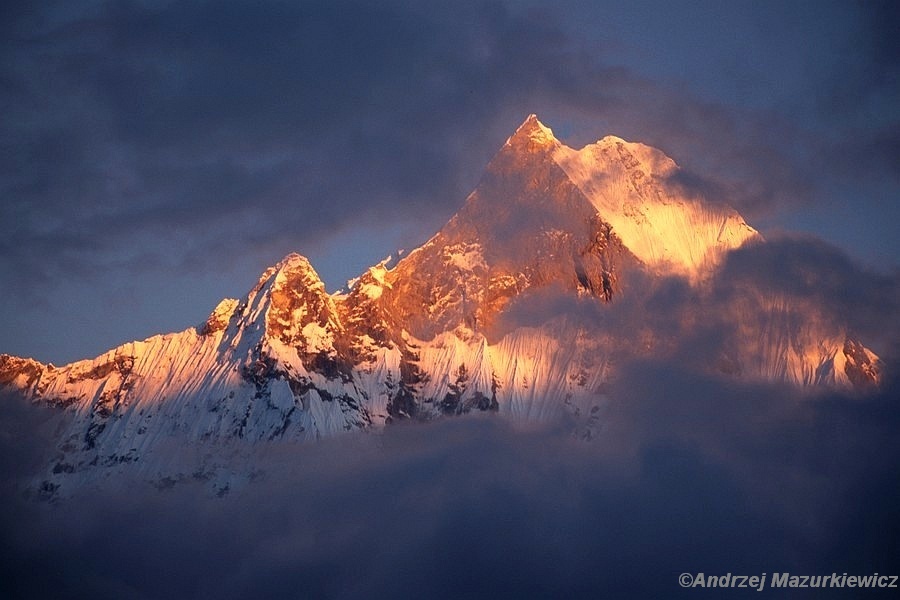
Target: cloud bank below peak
691 474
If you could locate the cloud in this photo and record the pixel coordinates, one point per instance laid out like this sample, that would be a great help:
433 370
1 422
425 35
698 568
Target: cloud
807 272
691 471
763 302
147 142
164 121
691 474
26 434
188 127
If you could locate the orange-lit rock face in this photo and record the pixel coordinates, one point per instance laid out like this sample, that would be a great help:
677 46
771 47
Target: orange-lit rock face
525 226
861 366
19 372
301 314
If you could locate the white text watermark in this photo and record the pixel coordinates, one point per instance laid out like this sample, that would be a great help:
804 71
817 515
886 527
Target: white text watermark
786 580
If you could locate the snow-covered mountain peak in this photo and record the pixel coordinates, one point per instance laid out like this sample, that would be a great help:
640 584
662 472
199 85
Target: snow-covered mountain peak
503 309
372 282
299 304
630 186
632 154
294 262
18 372
537 185
525 226
294 271
220 316
297 269
532 135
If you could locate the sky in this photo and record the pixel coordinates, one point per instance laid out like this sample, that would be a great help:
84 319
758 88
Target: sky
156 156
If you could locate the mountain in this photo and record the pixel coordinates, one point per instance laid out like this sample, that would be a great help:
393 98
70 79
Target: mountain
550 274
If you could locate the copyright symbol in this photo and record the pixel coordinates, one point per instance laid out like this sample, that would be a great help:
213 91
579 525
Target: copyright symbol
685 580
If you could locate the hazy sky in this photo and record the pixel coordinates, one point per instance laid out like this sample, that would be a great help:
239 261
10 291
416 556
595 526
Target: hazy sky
157 156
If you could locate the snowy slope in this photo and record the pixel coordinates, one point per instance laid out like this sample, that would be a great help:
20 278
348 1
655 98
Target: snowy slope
629 186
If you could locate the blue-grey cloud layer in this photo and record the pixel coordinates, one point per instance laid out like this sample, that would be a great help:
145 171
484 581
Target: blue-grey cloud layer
690 474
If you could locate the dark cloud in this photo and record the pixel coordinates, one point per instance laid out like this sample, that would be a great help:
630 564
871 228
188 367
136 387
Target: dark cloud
160 140
148 120
691 474
873 81
745 158
26 434
145 144
171 120
809 272
789 291
799 287
690 471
